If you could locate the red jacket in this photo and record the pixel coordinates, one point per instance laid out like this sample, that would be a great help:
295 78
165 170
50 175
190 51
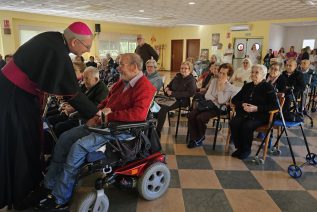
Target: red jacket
133 104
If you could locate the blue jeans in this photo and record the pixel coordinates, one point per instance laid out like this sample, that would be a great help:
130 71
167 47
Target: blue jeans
69 155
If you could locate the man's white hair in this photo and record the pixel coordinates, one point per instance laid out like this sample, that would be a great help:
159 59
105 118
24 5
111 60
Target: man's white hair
93 71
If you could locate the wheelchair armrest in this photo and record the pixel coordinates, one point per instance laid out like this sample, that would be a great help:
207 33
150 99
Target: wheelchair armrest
126 125
99 130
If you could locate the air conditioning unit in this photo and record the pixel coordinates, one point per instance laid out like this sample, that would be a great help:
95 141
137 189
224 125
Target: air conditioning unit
245 27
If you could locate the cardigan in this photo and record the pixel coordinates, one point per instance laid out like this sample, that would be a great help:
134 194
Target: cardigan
133 104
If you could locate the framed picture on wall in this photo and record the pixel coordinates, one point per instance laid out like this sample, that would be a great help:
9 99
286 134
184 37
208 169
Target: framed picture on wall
215 38
204 54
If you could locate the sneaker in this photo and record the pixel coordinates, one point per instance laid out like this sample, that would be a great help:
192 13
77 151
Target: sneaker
196 143
49 203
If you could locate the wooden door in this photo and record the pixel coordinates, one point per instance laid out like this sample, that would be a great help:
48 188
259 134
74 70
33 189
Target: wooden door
192 48
176 54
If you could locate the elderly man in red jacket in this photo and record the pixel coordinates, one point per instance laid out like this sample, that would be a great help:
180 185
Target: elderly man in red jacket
129 100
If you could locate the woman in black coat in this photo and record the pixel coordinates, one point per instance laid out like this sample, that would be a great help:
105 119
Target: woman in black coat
182 87
253 103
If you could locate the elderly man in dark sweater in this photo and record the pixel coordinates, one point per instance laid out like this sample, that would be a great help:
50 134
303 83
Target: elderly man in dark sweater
145 51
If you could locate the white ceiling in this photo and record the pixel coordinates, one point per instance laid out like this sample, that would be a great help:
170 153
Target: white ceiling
166 12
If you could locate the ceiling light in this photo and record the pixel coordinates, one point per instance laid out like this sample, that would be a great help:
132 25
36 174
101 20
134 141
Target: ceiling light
191 3
310 2
141 11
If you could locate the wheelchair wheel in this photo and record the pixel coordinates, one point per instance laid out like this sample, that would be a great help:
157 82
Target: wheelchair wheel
154 182
295 171
87 203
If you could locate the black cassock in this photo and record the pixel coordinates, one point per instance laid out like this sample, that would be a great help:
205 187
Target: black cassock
45 60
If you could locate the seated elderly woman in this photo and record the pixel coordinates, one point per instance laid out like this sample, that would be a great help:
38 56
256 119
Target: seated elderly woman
206 78
253 103
242 74
273 77
219 92
182 87
153 75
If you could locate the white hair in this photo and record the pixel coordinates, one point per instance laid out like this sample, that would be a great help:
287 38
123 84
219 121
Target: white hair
263 69
93 71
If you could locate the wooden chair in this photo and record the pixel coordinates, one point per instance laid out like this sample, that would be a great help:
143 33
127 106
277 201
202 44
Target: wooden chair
264 129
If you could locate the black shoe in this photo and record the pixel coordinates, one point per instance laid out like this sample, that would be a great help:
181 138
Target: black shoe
49 203
236 154
244 155
196 143
32 199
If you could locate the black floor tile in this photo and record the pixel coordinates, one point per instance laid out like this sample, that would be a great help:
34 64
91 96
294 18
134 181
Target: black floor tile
308 180
285 152
174 183
269 165
294 200
122 199
193 162
308 132
201 200
237 180
296 141
219 149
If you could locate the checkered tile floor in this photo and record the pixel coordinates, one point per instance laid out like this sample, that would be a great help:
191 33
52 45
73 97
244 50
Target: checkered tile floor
203 179
211 180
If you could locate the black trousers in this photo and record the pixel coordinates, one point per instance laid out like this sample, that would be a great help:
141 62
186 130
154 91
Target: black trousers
197 121
242 129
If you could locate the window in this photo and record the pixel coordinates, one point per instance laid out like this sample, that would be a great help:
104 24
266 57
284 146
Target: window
116 43
309 42
28 32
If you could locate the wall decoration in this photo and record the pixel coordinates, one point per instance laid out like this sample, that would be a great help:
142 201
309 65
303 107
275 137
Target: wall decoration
215 38
204 53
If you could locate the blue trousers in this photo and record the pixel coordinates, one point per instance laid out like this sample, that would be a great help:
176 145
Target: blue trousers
69 155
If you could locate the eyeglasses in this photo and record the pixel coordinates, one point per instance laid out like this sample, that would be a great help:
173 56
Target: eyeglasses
85 45
245 62
123 64
184 68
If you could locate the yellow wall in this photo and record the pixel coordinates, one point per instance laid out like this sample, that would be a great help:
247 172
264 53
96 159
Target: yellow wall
259 29
9 43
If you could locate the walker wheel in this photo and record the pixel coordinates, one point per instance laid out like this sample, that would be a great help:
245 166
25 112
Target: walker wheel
311 158
294 171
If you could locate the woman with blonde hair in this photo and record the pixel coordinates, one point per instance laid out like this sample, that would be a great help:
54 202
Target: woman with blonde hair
182 87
